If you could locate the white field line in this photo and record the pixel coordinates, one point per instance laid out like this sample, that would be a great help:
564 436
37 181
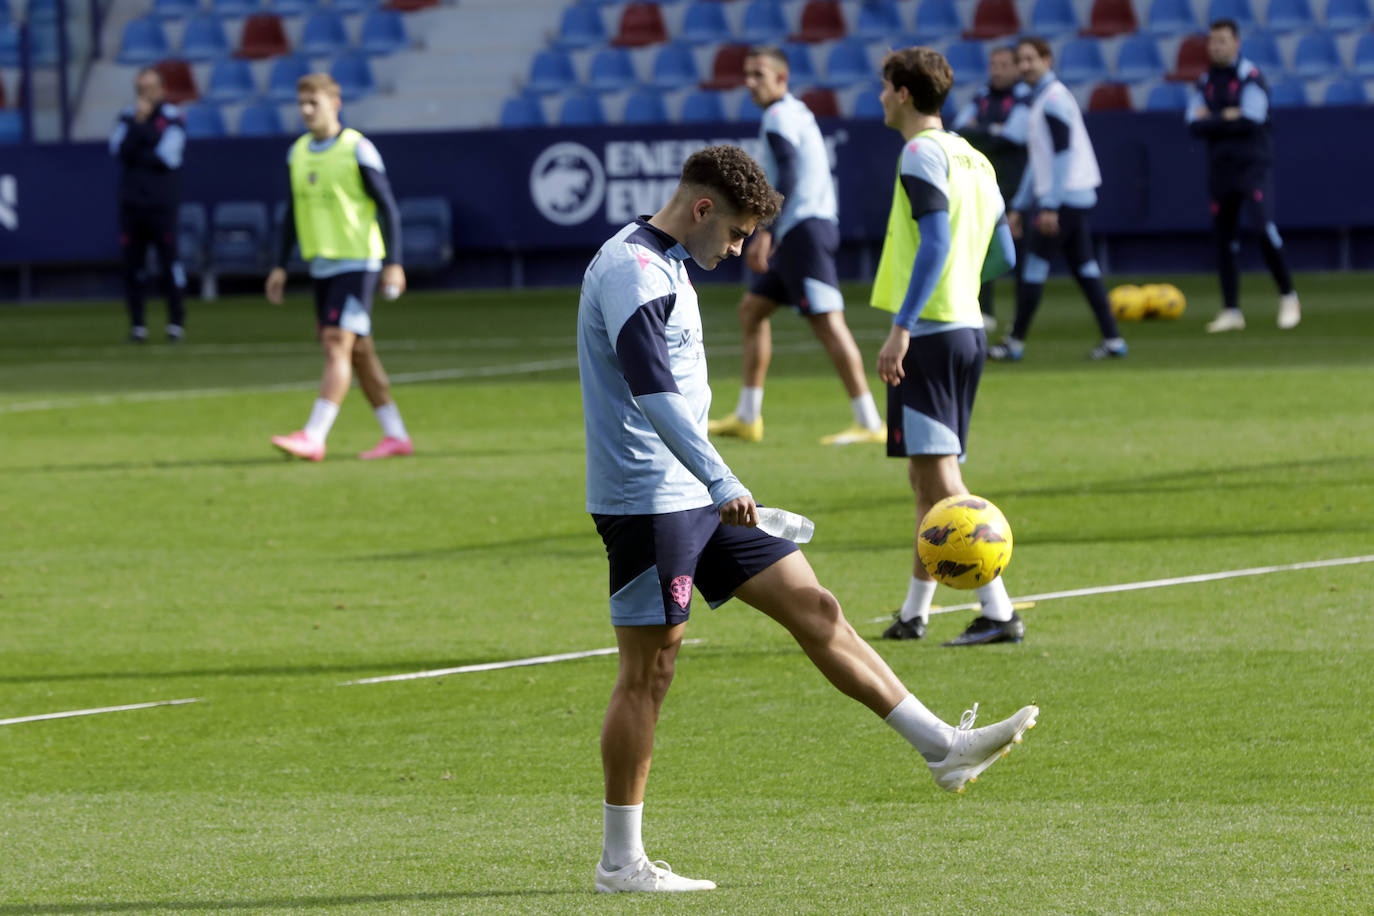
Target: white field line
496 666
1158 583
72 713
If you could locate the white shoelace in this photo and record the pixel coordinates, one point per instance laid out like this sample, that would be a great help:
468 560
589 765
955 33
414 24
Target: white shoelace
968 718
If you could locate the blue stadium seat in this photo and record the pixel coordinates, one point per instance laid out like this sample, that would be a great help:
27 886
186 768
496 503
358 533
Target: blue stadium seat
43 50
232 9
281 79
612 69
748 112
1239 10
1345 92
173 9
143 42
764 22
867 105
1171 17
1289 16
645 106
704 22
297 7
204 39
936 19
239 237
231 80
580 27
354 6
1050 18
551 71
968 60
1288 93
1317 56
1346 15
383 32
353 74
1139 59
262 119
1364 55
800 64
9 44
848 64
581 109
1167 97
878 20
522 111
204 121
702 106
1262 50
426 232
42 11
191 234
1080 60
11 126
674 66
323 34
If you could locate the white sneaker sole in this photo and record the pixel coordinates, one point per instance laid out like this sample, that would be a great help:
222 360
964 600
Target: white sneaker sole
970 773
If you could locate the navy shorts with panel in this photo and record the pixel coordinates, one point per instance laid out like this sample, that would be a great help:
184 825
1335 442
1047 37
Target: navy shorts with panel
345 301
928 412
801 272
656 559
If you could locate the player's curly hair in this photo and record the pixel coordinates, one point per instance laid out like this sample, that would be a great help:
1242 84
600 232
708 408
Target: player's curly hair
731 173
924 73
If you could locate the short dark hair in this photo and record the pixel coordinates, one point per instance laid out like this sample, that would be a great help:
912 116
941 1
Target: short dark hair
1229 24
772 52
1001 49
924 73
1041 46
738 179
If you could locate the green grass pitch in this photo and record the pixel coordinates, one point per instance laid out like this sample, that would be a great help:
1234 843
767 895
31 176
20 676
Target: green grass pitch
1203 748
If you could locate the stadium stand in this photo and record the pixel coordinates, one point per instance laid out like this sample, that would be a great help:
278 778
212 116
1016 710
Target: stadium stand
383 32
178 82
232 9
1111 17
581 27
551 71
239 237
994 19
727 68
1171 17
1192 58
822 102
1080 60
1238 10
263 36
261 119
144 42
1110 97
231 80
800 64
612 69
703 23
1167 97
1138 59
11 125
352 71
879 20
645 105
204 121
1348 14
1288 93
581 109
764 22
174 9
191 233
848 64
821 20
1363 61
1053 18
282 77
969 61
674 66
1345 92
204 39
702 106
1262 49
323 34
1289 16
1317 57
640 24
427 231
935 20
522 111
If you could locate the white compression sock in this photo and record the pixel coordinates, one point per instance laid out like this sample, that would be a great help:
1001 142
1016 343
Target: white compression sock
918 597
865 411
750 404
995 600
322 416
390 419
922 729
621 843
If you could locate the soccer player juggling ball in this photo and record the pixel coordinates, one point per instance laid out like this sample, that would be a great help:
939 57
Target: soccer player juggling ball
673 516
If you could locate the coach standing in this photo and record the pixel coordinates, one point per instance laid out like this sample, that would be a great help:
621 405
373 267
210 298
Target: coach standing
149 139
1230 110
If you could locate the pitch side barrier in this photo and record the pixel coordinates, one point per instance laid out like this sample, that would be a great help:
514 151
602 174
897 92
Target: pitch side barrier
531 205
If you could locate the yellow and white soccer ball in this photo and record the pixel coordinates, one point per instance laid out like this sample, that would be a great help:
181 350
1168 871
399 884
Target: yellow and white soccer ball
1128 302
1163 300
964 541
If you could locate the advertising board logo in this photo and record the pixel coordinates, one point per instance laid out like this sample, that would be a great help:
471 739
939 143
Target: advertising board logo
9 202
567 183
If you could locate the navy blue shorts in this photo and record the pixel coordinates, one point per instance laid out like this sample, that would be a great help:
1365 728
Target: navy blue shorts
345 301
928 413
801 272
656 559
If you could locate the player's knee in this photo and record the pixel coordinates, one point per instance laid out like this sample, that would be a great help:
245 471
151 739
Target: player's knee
753 310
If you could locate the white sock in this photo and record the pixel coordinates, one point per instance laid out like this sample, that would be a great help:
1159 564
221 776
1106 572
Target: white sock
390 418
621 843
922 729
322 416
750 404
918 597
995 600
865 411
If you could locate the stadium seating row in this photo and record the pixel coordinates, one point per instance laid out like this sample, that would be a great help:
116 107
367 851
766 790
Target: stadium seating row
231 80
144 41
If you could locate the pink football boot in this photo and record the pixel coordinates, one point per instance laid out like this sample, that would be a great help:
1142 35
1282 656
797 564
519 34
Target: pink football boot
389 448
300 445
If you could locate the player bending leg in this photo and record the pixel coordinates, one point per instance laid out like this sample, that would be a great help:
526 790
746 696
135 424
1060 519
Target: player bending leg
801 246
947 233
344 215
673 516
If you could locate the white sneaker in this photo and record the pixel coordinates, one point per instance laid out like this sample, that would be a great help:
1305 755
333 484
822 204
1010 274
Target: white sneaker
1226 320
1290 312
646 876
976 749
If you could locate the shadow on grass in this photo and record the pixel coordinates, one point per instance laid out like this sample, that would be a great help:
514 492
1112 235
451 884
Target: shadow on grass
270 458
268 903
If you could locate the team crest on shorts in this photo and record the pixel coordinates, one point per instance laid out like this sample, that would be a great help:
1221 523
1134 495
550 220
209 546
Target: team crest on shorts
682 591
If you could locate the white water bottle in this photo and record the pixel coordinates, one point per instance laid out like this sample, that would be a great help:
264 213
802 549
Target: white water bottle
787 525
